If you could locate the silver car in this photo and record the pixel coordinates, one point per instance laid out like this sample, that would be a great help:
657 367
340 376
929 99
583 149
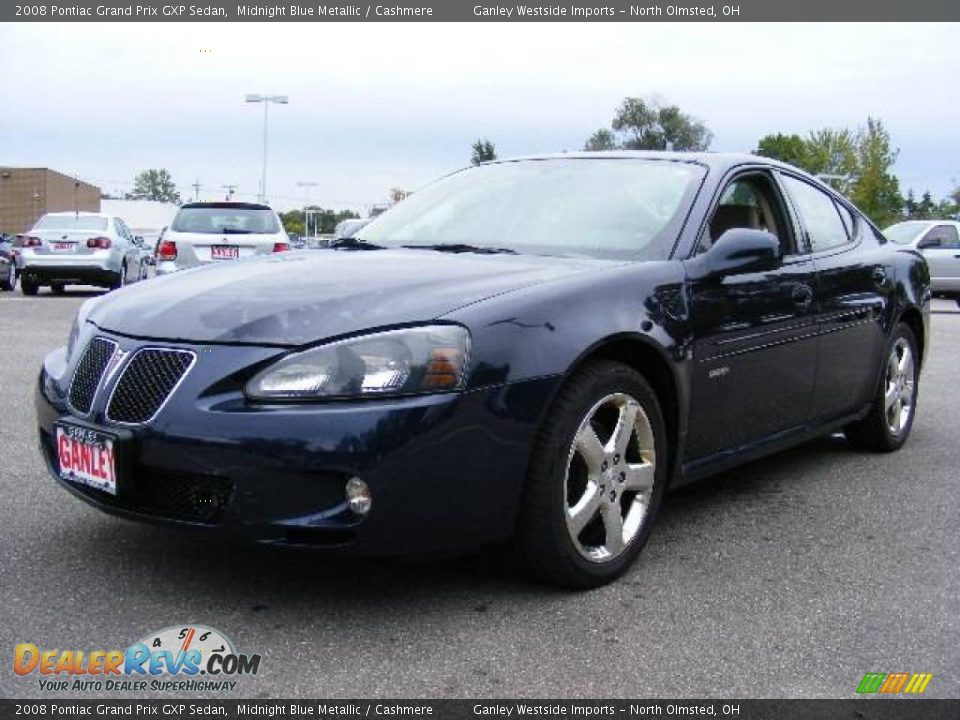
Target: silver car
208 232
78 248
939 242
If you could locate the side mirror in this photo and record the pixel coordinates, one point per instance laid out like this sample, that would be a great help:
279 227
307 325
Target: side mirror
138 240
740 250
928 243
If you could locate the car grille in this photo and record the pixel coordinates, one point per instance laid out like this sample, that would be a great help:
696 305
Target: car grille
146 383
86 378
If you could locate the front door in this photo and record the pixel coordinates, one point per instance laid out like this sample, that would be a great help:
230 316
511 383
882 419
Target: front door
754 334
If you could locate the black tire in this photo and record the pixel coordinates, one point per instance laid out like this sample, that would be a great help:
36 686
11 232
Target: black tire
28 286
873 432
58 288
9 281
542 540
121 278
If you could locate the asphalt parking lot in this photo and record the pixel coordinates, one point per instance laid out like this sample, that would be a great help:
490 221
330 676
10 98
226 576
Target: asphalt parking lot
792 576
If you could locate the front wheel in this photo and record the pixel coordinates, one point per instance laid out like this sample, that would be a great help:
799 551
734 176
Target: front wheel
597 477
887 426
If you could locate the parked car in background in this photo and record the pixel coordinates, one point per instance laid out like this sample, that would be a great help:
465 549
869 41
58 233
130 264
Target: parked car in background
8 263
209 232
939 242
531 350
78 248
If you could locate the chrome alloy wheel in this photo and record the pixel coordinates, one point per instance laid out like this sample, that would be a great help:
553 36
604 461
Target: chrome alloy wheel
609 483
898 396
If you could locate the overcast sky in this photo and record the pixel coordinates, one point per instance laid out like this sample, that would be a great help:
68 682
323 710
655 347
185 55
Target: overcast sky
381 105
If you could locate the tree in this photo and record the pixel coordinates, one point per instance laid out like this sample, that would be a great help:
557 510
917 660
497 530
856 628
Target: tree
483 151
647 125
154 185
876 190
601 140
791 149
322 221
857 164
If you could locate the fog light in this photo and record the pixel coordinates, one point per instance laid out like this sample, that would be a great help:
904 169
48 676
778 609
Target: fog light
358 496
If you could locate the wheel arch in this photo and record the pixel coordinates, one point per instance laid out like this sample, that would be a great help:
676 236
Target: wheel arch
913 319
651 361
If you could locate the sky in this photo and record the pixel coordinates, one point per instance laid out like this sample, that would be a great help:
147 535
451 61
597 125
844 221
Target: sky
377 106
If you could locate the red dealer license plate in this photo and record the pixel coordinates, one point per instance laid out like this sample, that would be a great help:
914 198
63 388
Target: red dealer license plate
224 252
87 457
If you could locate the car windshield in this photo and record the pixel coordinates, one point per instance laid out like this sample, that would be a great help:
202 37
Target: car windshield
221 219
605 208
906 232
71 222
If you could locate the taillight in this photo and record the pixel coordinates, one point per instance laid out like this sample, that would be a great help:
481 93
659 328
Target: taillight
167 250
281 247
31 241
99 243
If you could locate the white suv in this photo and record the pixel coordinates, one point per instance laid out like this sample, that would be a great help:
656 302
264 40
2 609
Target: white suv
206 232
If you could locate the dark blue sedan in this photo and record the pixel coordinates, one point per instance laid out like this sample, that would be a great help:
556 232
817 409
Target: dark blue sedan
531 350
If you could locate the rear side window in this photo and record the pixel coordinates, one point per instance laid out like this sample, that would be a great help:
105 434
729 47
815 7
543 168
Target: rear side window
819 213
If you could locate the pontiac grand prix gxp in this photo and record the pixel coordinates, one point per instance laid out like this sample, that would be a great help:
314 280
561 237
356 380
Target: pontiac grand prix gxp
532 350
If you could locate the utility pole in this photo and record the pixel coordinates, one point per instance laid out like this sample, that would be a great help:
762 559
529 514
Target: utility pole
231 189
196 190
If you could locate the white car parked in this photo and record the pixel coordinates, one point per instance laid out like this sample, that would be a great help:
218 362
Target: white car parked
939 242
78 248
206 232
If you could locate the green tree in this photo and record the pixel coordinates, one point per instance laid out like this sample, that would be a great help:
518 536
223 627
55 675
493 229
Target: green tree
483 151
154 185
641 124
601 140
875 189
791 149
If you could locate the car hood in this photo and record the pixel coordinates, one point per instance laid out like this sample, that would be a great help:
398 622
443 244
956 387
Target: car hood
301 297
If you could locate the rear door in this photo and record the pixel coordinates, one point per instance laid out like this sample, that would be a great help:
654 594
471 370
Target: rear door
754 339
854 284
941 247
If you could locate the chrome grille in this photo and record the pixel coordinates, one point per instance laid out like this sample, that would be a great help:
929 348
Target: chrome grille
146 383
86 378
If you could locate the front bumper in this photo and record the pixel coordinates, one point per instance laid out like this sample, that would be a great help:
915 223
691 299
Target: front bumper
445 471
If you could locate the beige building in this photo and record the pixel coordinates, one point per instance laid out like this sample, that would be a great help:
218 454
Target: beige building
28 193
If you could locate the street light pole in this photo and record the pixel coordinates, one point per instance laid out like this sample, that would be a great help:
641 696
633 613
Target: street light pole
306 202
266 100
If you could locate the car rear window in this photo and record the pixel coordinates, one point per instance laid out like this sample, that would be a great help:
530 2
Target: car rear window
71 222
220 220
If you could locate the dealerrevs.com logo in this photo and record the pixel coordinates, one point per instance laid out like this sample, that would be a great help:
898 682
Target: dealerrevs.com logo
180 658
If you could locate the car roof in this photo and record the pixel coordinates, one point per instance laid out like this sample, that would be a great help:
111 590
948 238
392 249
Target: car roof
226 205
81 213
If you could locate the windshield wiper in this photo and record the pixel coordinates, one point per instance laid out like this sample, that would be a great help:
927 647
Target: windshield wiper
463 248
354 243
234 231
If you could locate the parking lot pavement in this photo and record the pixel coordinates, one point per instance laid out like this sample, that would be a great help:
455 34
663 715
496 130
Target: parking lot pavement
792 576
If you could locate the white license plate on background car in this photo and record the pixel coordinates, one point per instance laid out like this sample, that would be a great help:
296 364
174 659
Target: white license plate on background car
63 246
87 457
224 252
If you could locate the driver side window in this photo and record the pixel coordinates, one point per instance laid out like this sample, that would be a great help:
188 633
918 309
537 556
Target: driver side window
750 202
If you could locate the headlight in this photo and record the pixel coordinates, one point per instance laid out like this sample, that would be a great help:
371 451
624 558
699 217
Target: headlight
398 362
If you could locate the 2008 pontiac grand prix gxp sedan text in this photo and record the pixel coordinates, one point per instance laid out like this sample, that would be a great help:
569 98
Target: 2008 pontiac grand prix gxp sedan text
532 349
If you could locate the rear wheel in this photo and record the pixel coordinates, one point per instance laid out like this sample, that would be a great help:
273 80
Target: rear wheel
887 425
28 286
9 281
596 479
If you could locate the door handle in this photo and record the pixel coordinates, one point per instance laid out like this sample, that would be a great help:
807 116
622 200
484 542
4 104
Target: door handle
879 274
802 295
